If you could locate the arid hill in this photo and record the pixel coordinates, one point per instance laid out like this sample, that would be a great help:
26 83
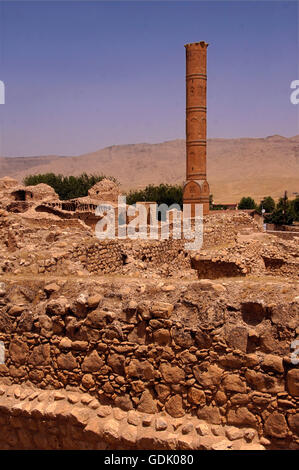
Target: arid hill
236 167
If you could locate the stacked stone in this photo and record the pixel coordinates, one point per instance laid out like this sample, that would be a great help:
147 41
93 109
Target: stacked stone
220 229
157 252
255 256
34 419
142 351
99 257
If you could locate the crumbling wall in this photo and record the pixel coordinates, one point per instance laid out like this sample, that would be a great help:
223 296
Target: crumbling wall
184 350
223 228
208 269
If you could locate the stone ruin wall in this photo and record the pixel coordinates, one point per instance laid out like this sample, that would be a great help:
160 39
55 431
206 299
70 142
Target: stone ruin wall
223 362
109 256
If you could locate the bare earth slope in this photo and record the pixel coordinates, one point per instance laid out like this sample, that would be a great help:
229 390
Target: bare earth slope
236 167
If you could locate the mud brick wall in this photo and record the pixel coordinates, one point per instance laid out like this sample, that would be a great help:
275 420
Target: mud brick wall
111 255
221 229
189 350
284 235
157 252
280 267
97 257
208 269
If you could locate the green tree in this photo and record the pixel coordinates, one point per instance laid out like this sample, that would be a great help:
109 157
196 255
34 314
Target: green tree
247 203
268 204
67 187
163 193
295 206
279 217
284 213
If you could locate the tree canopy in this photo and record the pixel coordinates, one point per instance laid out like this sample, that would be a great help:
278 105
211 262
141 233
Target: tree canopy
163 193
247 203
67 187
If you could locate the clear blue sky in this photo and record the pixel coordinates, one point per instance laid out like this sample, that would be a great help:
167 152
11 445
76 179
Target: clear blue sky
83 75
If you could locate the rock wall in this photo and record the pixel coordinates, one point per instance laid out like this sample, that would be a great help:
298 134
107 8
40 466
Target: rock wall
215 352
223 228
54 420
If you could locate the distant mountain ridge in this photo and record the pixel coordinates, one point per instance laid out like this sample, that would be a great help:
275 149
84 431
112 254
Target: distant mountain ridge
254 167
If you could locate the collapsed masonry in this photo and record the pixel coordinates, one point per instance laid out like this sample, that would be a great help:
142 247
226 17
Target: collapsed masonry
133 344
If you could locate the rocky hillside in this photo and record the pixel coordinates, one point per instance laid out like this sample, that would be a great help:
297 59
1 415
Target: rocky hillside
236 167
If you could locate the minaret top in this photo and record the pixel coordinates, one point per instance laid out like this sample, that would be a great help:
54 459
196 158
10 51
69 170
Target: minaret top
196 45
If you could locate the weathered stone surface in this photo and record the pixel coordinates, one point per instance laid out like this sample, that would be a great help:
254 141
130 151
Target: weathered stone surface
203 429
25 322
208 377
233 383
129 434
293 421
196 396
163 391
65 343
124 402
272 363
236 337
161 309
147 403
182 337
88 381
263 382
40 355
174 406
92 363
172 374
240 399
293 382
36 376
94 426
116 362
162 336
220 397
57 306
231 361
138 334
18 351
111 430
241 417
140 369
94 300
276 426
234 433
16 310
202 340
133 418
80 345
160 424
66 361
210 414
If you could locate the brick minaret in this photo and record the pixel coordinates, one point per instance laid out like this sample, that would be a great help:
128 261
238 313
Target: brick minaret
196 188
